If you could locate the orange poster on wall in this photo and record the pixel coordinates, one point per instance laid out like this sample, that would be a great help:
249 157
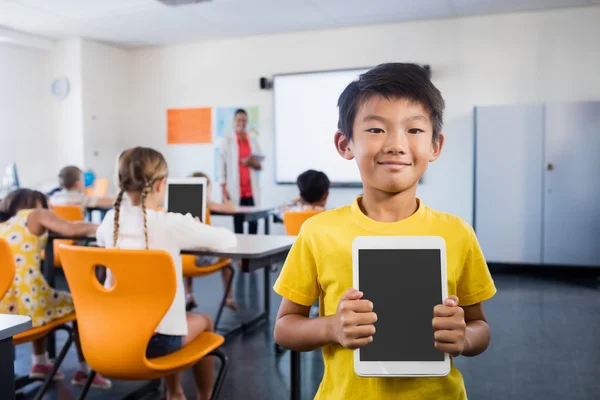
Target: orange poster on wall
189 126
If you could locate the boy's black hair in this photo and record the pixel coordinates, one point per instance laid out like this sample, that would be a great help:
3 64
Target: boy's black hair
313 185
69 176
240 111
20 199
391 80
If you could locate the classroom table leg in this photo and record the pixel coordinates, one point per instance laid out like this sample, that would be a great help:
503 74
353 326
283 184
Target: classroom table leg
7 371
48 263
267 292
295 379
48 272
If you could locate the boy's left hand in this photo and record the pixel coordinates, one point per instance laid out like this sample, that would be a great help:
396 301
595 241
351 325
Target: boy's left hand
450 327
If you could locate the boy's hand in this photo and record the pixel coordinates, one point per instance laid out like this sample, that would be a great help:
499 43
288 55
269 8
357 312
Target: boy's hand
450 327
353 322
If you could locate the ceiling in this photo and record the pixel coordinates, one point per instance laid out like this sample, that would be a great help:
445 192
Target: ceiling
133 23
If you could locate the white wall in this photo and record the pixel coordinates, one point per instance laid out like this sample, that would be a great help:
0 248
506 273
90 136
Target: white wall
25 133
505 59
106 96
66 122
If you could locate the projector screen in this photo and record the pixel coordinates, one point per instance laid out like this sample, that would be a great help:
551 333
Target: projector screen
306 117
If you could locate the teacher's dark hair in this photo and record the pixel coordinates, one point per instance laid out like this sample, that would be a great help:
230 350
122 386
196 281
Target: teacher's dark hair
240 111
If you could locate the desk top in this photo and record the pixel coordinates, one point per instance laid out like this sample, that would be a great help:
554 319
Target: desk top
241 210
245 210
251 246
11 325
248 246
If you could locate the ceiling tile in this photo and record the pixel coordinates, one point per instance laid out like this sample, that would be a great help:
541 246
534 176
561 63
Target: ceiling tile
347 12
76 9
471 7
143 22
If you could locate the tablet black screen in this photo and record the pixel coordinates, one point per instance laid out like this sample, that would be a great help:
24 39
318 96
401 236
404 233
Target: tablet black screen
186 198
404 286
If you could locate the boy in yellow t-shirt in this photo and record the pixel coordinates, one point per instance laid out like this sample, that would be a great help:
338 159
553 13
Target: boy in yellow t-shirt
390 122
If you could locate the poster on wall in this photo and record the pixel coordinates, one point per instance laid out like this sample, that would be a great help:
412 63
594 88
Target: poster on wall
189 125
224 117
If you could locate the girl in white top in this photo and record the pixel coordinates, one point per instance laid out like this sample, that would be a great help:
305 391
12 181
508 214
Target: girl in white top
143 178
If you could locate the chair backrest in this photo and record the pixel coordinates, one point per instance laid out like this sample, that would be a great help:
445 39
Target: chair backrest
70 213
293 220
116 324
7 267
99 189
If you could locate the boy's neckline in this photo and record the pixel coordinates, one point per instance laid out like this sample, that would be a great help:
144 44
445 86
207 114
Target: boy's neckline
380 227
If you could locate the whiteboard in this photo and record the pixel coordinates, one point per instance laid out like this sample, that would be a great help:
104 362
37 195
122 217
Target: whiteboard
306 118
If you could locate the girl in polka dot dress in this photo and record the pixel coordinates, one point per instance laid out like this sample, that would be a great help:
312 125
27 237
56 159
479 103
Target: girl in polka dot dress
24 222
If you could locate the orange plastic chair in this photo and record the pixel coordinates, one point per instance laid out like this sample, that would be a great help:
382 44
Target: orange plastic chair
190 269
7 275
106 316
99 189
293 220
69 213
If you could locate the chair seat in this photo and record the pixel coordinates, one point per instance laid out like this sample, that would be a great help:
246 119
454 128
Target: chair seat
170 364
188 355
191 269
40 331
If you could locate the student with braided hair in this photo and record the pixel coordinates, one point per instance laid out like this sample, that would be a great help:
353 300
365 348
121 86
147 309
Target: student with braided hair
134 224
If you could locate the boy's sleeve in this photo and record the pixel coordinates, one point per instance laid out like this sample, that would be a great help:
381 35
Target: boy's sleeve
475 283
297 281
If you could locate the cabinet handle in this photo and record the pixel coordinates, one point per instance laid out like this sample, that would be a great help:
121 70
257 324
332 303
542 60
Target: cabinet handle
550 166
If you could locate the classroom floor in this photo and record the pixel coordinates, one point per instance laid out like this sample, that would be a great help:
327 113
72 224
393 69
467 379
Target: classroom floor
545 344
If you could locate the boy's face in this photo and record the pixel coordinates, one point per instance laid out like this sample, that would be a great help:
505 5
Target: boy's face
240 122
392 143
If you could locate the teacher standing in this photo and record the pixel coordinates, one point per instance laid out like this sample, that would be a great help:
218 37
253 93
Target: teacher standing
238 168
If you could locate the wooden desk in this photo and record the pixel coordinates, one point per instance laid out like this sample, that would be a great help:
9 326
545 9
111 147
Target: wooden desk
10 325
250 214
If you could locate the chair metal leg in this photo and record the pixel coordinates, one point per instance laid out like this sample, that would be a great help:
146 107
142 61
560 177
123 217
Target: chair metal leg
88 384
57 362
222 372
224 300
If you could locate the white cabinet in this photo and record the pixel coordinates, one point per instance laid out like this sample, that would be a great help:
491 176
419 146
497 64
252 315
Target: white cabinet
537 183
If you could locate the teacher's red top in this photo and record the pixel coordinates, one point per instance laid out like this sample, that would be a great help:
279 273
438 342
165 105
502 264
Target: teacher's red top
245 181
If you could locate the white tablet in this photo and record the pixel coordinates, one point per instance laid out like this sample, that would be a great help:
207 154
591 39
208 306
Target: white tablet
405 278
187 196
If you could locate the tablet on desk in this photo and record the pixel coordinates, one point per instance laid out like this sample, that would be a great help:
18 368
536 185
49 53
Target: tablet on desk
405 278
187 196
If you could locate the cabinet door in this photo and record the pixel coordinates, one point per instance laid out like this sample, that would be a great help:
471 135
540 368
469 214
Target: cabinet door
508 182
572 184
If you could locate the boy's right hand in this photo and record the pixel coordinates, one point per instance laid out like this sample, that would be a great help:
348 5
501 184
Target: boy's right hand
353 322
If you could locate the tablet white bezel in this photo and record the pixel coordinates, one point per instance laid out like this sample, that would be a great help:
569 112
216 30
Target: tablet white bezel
189 181
400 368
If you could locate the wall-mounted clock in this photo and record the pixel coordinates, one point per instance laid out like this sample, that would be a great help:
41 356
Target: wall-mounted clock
60 87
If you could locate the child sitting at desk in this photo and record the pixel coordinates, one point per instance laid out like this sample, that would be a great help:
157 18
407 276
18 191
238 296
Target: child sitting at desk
73 191
136 225
314 191
203 261
24 223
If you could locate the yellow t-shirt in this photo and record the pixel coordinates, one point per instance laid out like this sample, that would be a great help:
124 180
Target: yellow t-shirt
319 266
